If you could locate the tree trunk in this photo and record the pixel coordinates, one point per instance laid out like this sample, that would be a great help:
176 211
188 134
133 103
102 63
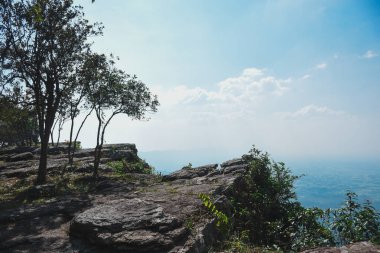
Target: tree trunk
70 155
41 177
76 137
98 148
98 152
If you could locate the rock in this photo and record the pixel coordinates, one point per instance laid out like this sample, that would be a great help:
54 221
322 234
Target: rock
230 166
153 218
16 150
133 225
127 155
39 191
19 173
58 150
121 146
84 153
21 157
135 213
359 247
188 173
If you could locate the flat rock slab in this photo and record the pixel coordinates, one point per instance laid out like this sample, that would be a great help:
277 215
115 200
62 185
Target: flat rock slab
359 247
162 217
133 225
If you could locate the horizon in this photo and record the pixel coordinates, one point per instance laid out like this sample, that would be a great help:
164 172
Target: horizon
294 78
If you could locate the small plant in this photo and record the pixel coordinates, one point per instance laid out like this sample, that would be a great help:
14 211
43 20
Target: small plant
189 224
77 145
117 166
189 166
222 219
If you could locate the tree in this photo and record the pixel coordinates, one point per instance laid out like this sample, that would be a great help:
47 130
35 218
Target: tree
111 92
75 103
18 124
41 42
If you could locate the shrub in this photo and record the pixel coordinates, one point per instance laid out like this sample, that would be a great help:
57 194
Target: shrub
354 222
122 167
266 209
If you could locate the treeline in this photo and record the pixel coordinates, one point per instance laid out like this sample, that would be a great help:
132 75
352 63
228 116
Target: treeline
18 124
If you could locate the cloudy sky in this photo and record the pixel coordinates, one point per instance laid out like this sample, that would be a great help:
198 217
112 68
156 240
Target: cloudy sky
295 78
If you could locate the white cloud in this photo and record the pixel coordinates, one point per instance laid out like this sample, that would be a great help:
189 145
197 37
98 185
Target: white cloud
370 54
313 111
180 94
234 95
321 66
307 76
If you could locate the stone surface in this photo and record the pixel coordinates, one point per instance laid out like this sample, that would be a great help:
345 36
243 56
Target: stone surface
359 247
188 173
140 214
238 165
155 218
21 157
133 225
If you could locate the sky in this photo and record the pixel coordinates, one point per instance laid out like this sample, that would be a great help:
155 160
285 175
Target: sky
295 78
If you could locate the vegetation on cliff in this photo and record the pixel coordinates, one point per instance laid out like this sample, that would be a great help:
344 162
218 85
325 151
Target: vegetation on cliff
267 213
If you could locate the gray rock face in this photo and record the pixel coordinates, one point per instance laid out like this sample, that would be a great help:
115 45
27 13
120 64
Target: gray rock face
129 224
230 166
359 247
21 157
156 218
138 213
188 173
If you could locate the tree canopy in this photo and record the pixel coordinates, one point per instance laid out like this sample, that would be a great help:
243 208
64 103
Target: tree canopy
41 43
110 92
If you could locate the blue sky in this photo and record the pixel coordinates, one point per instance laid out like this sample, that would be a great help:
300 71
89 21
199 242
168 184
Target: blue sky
296 78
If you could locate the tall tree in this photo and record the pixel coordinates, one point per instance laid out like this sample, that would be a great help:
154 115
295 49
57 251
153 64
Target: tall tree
111 92
41 42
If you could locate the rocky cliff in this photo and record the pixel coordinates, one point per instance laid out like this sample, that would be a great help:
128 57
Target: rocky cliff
129 213
124 212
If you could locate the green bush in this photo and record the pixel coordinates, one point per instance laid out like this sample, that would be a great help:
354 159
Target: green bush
122 167
266 209
354 222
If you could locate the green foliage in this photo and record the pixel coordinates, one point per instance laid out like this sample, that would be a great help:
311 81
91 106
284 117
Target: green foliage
265 205
309 228
264 201
222 219
190 224
354 222
122 167
117 166
18 124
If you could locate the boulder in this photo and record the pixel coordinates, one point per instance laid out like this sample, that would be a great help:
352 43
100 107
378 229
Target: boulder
162 217
358 247
127 155
230 166
121 146
188 173
133 225
21 157
19 173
